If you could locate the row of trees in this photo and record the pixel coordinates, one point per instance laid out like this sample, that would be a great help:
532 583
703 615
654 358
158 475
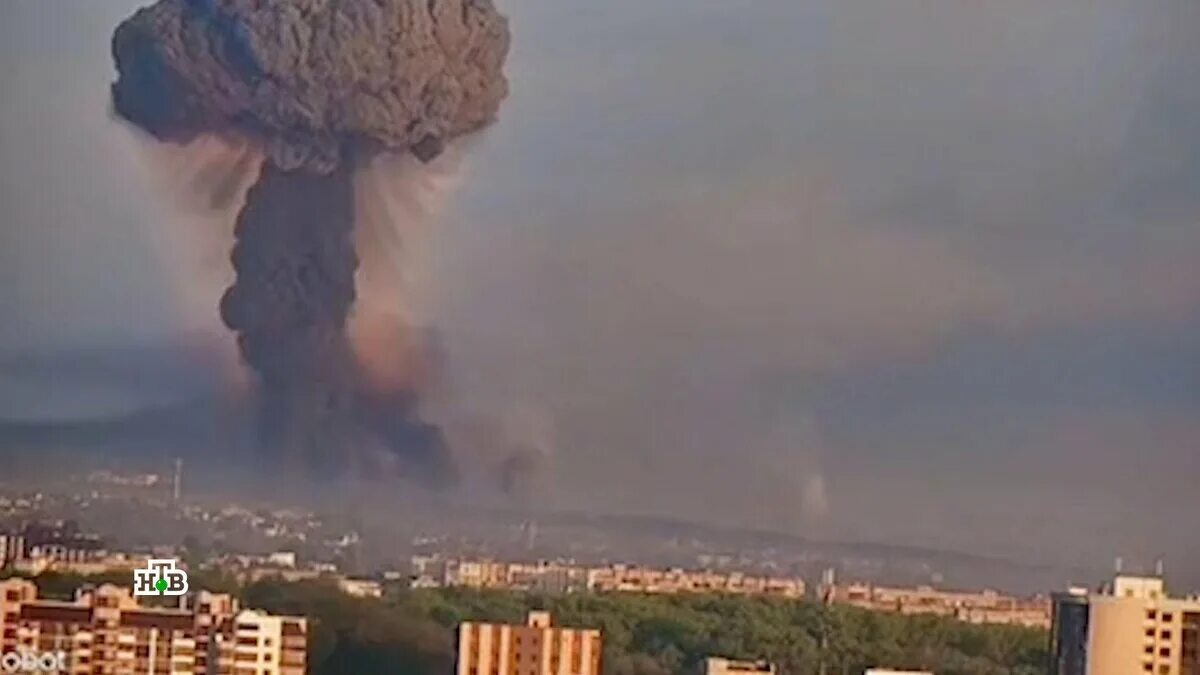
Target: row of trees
412 631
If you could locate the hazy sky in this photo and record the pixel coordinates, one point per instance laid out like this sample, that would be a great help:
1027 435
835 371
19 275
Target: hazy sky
910 270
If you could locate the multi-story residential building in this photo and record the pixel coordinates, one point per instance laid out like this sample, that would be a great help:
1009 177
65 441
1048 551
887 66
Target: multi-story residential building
1131 626
675 580
970 606
714 665
61 541
12 548
477 574
544 576
212 612
102 629
268 645
547 577
40 546
106 631
1069 632
536 648
360 588
556 577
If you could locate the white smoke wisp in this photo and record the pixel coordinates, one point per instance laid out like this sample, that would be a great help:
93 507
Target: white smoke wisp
814 502
793 449
199 189
397 201
503 451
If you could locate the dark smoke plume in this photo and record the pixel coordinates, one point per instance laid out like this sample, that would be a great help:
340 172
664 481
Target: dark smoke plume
317 82
319 87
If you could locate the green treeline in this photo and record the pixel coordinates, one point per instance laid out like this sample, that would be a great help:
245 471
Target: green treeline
411 632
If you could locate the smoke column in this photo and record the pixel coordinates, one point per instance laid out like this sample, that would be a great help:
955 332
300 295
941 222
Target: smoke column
319 88
295 286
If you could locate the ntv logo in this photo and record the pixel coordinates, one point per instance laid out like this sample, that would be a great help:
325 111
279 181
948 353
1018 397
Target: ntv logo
160 577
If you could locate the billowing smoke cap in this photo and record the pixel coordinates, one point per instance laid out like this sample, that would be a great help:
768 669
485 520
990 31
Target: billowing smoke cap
316 82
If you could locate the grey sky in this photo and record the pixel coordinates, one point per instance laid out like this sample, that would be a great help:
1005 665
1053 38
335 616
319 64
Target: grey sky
914 270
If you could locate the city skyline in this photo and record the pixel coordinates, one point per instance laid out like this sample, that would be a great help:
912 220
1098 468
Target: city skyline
1130 621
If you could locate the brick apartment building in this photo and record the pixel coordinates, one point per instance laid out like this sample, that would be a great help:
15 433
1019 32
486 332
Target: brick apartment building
536 648
1129 627
105 631
979 607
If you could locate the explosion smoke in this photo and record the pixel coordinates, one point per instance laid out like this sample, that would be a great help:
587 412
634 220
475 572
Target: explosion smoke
319 87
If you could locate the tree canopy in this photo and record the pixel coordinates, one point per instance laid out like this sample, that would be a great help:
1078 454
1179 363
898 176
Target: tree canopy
412 631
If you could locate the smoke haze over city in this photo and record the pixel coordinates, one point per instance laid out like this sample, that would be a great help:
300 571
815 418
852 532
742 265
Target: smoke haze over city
909 272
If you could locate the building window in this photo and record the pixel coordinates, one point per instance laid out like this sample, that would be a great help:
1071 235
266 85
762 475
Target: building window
1165 652
1166 635
1149 632
1164 669
1148 667
1151 615
1168 617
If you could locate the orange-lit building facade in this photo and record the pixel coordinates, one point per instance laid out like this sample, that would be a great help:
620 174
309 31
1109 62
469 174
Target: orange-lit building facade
556 577
536 648
982 607
105 631
1130 627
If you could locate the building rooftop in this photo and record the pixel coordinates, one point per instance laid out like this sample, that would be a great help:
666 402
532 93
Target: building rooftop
739 665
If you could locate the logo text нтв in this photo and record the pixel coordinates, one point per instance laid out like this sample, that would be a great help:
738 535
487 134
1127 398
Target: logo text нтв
160 577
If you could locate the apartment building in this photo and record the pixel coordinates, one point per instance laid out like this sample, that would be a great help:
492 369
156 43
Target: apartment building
715 665
624 578
555 577
212 612
1130 626
12 548
105 631
536 648
38 546
269 645
981 607
547 577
